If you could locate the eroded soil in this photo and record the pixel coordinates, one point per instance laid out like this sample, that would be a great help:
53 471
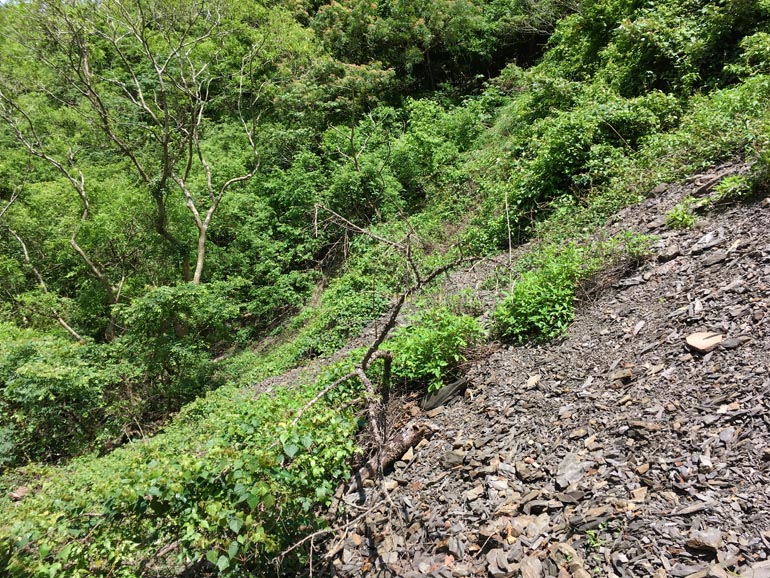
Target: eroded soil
618 450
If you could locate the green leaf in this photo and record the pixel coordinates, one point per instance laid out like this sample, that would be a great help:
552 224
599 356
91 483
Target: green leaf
64 553
212 556
223 563
290 450
235 524
232 550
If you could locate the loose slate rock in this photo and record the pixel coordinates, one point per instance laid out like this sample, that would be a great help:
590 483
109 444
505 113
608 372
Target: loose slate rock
735 342
453 458
760 570
704 341
570 471
497 564
717 257
531 567
677 440
707 539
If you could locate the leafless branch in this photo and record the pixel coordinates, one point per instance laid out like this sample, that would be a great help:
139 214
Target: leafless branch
9 202
349 225
55 314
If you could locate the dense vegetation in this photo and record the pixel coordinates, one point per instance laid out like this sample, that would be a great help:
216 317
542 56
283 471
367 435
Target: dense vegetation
195 196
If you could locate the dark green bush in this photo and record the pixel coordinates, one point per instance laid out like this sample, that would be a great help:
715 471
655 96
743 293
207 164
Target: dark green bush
542 302
51 397
431 348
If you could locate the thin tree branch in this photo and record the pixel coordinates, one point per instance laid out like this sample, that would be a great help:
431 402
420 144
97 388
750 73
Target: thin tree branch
59 319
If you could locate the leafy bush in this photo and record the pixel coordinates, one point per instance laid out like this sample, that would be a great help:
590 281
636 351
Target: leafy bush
171 332
233 481
430 349
755 58
51 397
541 304
681 215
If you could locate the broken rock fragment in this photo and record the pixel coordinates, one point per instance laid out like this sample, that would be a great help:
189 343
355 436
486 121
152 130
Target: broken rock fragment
706 539
704 341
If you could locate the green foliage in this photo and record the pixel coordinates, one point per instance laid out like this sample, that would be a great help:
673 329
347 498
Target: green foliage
732 188
723 124
223 480
348 304
593 540
431 348
681 215
420 39
51 396
755 57
546 153
59 398
195 311
541 304
670 46
171 331
628 95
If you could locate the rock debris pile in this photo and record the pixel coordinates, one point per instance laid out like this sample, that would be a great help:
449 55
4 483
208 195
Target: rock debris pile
637 445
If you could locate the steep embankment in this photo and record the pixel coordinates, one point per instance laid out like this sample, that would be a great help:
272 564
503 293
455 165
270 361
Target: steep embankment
617 450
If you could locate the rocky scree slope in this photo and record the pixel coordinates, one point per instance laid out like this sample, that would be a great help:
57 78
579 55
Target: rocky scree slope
618 450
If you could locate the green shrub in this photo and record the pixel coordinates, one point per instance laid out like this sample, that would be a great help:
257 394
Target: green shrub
732 188
681 215
430 349
541 304
755 58
233 481
171 332
51 397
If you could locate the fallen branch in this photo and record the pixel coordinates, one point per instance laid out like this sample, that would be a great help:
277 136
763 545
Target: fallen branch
388 450
391 452
322 532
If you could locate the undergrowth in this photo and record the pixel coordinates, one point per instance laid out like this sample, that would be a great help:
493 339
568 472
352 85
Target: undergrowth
625 99
246 486
542 302
429 350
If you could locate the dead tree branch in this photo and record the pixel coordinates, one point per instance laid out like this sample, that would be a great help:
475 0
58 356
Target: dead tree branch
14 196
386 450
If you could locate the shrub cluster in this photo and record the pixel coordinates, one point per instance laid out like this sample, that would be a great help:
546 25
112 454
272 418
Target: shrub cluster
429 350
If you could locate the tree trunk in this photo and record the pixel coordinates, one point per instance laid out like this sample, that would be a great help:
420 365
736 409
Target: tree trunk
201 255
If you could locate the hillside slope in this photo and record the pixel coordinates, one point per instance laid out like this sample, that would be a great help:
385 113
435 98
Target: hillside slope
189 396
614 451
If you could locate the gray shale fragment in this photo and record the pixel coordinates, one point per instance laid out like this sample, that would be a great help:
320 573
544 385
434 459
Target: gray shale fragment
604 453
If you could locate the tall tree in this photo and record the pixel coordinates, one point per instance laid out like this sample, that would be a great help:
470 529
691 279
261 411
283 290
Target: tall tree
143 76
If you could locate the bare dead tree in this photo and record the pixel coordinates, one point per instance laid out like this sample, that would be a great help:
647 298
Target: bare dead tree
373 353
